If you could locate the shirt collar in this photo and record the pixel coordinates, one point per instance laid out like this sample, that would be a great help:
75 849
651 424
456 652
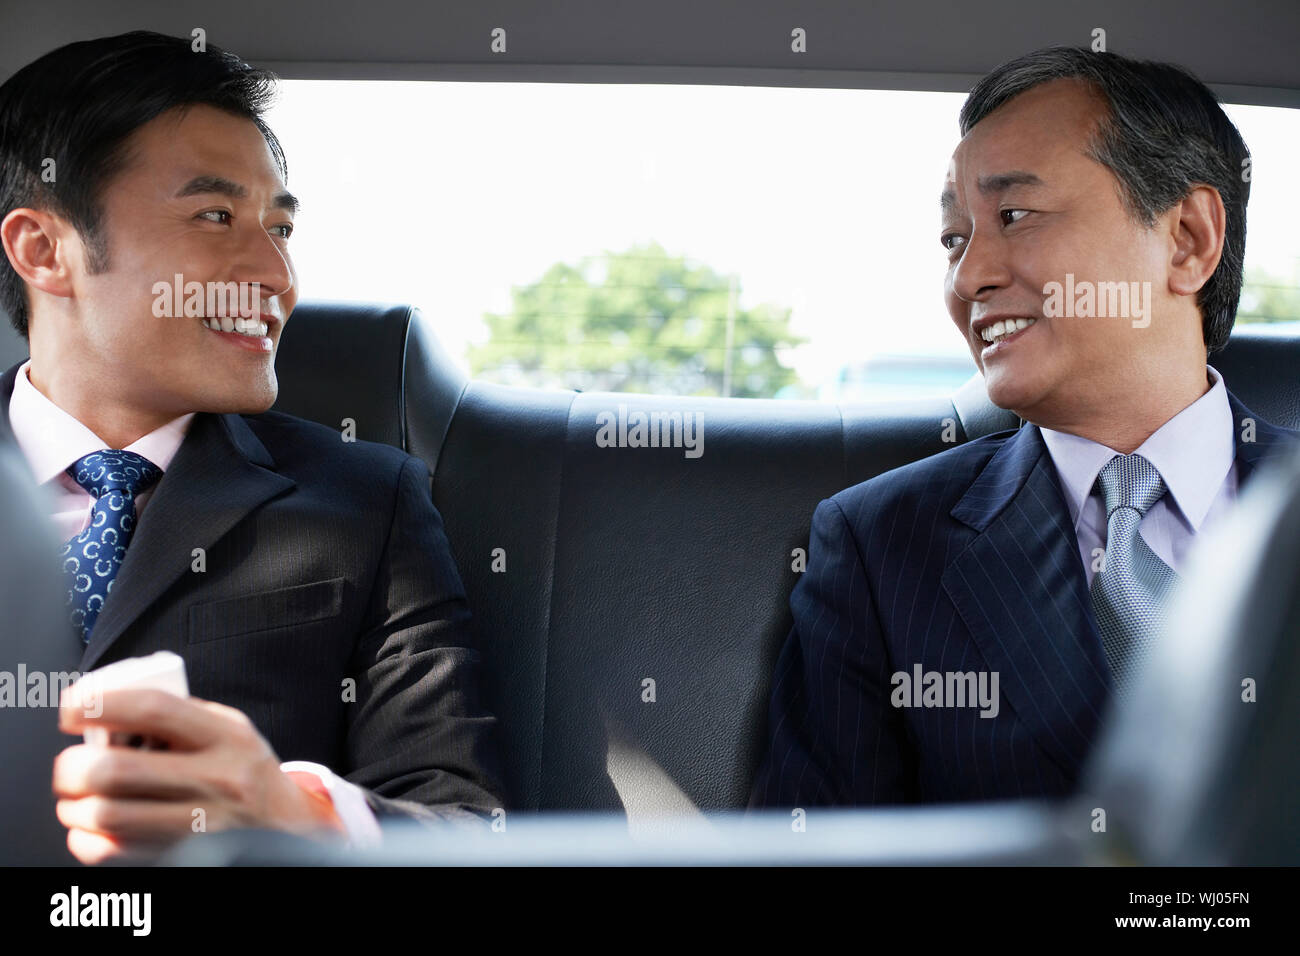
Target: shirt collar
51 439
1193 452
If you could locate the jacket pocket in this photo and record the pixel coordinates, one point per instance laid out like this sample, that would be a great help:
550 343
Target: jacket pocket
264 610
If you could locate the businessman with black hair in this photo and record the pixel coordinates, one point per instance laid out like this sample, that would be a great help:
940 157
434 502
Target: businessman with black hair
306 581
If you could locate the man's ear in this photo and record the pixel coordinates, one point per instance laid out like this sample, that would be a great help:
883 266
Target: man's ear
1197 226
43 249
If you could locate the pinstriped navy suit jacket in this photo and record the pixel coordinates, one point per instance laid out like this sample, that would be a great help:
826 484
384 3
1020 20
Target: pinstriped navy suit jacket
964 561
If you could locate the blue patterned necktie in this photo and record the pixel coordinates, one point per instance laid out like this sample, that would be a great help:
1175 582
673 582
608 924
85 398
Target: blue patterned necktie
92 559
1130 592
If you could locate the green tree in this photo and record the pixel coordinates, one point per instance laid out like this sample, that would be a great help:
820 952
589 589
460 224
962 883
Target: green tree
1266 297
637 321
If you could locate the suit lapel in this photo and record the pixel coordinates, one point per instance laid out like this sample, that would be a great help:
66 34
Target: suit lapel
1256 440
1021 590
220 473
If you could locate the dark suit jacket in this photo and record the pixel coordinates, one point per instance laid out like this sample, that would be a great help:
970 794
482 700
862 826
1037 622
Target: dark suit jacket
330 610
964 561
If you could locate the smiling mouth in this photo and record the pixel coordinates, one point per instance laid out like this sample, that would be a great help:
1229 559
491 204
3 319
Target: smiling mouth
1003 331
253 328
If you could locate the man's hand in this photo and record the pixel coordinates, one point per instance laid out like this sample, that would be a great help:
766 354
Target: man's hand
123 801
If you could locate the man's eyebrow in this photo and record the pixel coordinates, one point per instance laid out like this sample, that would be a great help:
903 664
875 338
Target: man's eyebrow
226 187
286 200
212 184
1001 182
997 183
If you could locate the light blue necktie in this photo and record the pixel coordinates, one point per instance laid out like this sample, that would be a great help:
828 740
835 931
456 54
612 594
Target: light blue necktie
1129 594
92 559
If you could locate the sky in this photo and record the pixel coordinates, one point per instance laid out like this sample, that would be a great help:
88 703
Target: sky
824 201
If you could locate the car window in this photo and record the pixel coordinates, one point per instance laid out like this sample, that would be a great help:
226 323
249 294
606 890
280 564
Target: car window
691 240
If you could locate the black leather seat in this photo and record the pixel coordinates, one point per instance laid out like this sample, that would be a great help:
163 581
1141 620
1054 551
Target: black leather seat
626 566
1190 773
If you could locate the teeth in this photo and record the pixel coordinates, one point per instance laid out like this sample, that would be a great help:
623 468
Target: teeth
1000 328
241 325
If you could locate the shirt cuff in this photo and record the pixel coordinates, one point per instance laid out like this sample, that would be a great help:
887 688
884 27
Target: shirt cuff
349 803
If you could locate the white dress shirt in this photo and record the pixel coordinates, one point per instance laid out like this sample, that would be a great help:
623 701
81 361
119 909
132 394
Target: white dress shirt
51 440
1195 453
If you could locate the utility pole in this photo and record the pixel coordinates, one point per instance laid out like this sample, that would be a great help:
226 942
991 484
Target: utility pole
731 336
